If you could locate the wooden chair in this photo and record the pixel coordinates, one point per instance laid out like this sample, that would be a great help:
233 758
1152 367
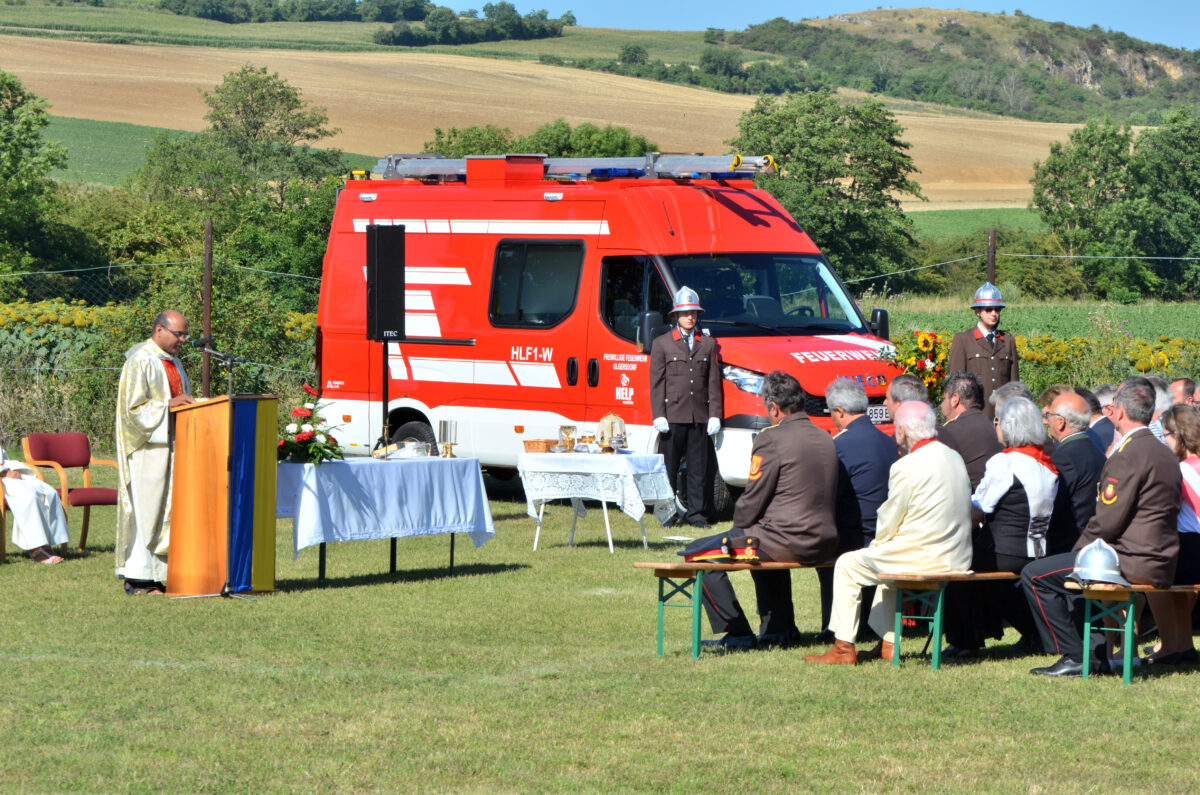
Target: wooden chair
63 451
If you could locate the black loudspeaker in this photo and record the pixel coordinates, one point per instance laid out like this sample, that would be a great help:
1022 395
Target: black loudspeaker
385 283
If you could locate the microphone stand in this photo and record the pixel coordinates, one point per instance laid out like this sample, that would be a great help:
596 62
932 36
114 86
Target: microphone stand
230 360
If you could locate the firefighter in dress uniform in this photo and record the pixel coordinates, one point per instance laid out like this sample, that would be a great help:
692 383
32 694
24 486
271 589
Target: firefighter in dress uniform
986 351
685 398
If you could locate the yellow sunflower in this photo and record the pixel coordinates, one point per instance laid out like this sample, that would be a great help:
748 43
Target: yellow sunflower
925 342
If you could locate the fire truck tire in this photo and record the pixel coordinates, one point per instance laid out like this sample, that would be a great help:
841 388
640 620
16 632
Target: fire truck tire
415 431
723 498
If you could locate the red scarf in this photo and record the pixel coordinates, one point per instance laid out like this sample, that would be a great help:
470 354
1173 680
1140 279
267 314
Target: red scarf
921 444
1035 452
173 379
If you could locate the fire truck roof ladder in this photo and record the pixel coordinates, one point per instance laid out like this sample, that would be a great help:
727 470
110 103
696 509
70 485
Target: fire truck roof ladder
653 164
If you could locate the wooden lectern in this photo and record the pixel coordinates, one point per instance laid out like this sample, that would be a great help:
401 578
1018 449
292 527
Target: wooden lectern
223 505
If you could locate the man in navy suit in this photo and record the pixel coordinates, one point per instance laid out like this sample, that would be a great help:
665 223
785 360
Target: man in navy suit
865 456
1078 465
1102 427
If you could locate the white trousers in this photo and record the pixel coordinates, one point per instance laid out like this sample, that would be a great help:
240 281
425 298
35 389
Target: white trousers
853 572
146 559
38 516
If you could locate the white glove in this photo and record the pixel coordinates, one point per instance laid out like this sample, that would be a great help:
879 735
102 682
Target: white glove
661 425
714 426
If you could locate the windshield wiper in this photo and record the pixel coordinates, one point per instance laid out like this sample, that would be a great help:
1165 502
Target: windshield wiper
820 327
748 323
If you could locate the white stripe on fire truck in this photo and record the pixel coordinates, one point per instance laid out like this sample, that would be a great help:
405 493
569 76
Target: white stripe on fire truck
486 226
478 371
396 366
421 324
536 374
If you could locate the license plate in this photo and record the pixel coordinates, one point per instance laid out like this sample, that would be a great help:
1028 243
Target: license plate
879 415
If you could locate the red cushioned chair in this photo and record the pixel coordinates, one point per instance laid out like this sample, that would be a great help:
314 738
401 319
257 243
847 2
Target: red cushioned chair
63 451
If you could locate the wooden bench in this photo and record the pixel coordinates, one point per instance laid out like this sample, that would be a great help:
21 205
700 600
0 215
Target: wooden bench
1121 598
679 575
929 590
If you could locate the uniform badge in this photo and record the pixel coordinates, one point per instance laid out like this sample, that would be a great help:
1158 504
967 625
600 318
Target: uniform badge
755 467
1108 495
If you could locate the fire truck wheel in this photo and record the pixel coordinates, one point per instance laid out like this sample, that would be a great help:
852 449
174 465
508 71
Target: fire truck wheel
415 431
723 499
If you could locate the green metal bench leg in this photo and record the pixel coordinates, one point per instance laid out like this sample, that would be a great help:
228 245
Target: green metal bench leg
937 629
697 608
901 595
1087 637
661 608
1129 641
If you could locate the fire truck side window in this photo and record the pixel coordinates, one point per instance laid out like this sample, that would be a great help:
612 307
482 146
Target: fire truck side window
622 294
534 285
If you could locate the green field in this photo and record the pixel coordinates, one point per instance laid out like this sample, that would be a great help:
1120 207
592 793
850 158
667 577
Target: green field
526 672
105 153
152 26
942 224
1146 320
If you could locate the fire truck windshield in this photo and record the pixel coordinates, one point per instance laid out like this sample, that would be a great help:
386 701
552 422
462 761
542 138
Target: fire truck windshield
747 294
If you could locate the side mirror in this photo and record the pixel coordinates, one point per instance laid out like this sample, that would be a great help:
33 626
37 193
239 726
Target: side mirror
650 325
879 324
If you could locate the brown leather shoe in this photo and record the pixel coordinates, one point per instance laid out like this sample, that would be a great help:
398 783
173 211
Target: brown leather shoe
881 651
841 653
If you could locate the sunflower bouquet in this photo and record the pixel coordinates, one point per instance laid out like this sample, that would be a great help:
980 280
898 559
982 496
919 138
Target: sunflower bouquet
309 440
922 354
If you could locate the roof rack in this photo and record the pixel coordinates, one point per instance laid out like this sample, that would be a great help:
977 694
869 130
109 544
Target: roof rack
653 165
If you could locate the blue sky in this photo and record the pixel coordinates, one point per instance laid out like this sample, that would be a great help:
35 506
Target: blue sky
1173 23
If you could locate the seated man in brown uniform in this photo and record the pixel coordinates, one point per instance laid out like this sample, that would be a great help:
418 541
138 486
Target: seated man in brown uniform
1135 512
788 507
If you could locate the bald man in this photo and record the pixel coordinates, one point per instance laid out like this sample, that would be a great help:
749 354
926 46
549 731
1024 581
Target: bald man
152 383
1079 462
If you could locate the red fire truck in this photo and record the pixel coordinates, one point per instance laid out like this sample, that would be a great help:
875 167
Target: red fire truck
534 287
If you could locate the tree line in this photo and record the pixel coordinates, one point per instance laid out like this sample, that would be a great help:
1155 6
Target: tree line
438 24
259 173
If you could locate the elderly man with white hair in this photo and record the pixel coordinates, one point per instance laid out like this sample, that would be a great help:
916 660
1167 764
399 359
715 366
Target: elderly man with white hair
924 526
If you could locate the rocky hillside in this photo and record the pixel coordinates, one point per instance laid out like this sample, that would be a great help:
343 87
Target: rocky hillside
1013 64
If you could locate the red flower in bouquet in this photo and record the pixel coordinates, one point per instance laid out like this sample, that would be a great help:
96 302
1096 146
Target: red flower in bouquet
310 390
300 411
304 436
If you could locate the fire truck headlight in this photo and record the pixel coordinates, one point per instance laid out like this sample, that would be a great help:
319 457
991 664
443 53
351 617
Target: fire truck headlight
743 379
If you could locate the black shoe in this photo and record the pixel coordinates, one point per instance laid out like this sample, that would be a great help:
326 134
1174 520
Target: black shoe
1174 658
956 653
1066 666
1028 645
782 640
732 643
700 522
674 521
825 637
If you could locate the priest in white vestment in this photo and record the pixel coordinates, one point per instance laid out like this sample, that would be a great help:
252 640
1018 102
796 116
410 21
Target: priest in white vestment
39 521
152 382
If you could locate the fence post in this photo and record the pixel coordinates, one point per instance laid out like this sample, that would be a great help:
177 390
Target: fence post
207 298
991 257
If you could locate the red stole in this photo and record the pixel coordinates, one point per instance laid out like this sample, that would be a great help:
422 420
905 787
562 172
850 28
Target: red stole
173 377
1036 453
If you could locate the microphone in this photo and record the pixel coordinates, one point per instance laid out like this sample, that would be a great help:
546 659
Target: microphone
202 342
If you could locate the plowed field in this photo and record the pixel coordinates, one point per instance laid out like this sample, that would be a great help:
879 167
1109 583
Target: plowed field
390 102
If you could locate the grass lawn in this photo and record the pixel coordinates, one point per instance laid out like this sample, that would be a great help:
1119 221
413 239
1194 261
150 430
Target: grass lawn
105 153
527 671
941 224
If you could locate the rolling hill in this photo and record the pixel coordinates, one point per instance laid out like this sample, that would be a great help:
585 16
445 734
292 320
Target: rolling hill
390 102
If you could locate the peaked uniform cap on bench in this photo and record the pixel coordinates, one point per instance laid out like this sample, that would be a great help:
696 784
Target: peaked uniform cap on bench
1098 562
721 549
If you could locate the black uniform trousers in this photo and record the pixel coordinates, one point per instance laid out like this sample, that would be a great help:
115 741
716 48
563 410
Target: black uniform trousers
774 592
1057 612
825 581
689 439
977 611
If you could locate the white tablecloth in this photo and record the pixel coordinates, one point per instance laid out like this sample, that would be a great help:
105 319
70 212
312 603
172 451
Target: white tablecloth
364 498
628 481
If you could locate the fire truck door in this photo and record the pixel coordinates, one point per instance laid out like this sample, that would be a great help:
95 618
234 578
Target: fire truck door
617 372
